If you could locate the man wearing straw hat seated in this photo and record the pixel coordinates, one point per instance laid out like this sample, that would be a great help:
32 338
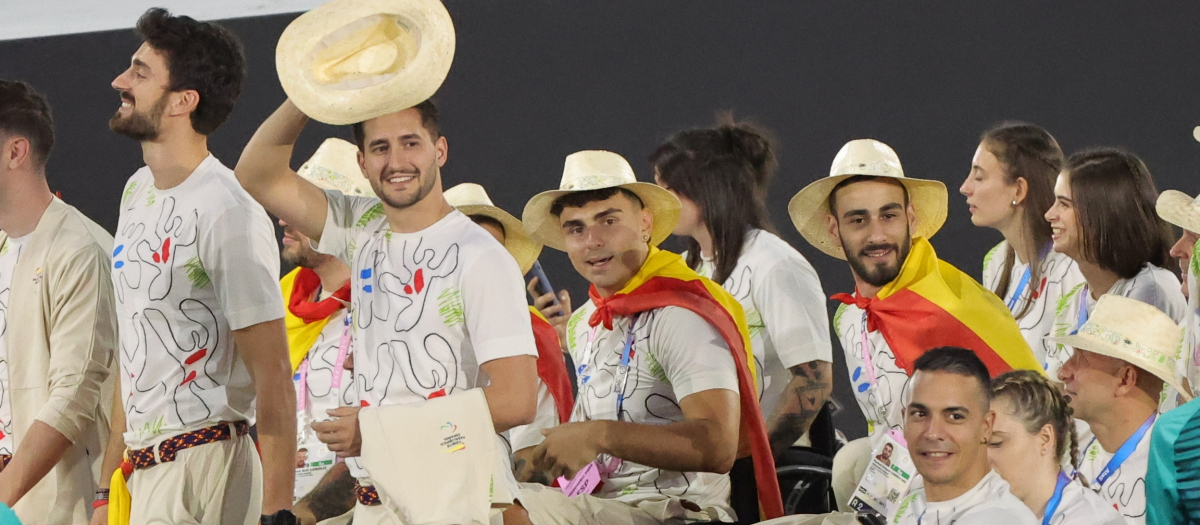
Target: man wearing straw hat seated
1122 357
664 380
906 300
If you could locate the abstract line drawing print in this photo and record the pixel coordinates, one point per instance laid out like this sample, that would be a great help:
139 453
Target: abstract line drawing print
189 348
1129 491
740 286
878 401
398 295
5 399
322 364
154 255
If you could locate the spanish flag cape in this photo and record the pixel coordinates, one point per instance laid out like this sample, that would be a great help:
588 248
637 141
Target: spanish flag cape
303 318
932 304
551 366
664 280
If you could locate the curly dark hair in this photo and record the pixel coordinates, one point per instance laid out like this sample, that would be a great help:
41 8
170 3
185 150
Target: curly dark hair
25 112
200 56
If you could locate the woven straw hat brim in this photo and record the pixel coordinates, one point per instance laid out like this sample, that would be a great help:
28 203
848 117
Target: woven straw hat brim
517 241
810 207
415 82
544 227
1177 208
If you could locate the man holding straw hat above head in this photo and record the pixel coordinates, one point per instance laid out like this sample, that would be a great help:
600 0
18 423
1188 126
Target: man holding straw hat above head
906 300
439 315
664 377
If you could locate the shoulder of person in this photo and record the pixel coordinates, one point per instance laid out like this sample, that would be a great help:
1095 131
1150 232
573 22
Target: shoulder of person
996 255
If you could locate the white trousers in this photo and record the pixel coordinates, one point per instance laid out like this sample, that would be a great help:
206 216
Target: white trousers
213 484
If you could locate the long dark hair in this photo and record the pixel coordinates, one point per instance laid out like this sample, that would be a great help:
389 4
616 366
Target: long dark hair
1114 196
1026 151
726 171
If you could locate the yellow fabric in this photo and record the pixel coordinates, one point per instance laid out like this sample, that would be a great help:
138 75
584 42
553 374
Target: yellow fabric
119 500
301 335
661 263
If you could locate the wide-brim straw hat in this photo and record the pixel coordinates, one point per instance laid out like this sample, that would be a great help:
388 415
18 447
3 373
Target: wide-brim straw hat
596 170
348 61
334 166
1179 209
471 199
1135 332
809 209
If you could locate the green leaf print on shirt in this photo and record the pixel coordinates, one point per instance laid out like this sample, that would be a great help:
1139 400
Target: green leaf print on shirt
837 316
4 249
572 324
450 307
128 191
754 323
372 213
1195 263
991 254
656 369
150 197
196 273
152 428
1062 327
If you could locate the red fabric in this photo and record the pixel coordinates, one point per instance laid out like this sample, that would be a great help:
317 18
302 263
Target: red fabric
659 292
303 287
912 324
551 367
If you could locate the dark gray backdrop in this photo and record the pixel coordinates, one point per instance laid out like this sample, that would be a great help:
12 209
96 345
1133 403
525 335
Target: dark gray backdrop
534 80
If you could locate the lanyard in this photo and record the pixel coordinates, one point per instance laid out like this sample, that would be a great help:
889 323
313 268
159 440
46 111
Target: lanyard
1052 505
621 378
868 362
1020 288
343 348
1124 452
1082 316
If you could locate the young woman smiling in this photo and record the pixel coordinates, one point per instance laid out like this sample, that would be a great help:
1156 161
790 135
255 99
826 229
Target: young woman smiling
1010 186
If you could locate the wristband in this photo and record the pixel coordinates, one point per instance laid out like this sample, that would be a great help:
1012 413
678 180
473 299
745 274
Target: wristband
101 494
99 503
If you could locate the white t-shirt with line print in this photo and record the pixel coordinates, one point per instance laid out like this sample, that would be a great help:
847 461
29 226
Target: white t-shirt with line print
879 394
429 307
191 264
9 252
319 367
785 310
1082 506
989 502
675 353
1059 275
1125 489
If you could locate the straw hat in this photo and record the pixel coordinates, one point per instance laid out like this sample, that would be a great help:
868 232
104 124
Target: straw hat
335 167
472 199
1177 208
1135 332
353 60
596 170
810 207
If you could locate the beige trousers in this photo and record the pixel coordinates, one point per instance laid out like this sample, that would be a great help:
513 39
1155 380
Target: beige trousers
213 484
849 465
549 506
383 515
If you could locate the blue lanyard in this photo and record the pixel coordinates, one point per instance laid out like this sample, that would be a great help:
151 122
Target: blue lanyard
1020 288
1052 505
1124 452
622 377
1083 313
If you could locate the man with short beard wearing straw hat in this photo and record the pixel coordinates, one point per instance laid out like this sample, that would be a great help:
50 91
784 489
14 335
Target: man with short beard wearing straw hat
439 310
664 377
906 300
1123 355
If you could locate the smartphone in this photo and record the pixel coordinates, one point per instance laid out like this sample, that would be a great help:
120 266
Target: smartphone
543 285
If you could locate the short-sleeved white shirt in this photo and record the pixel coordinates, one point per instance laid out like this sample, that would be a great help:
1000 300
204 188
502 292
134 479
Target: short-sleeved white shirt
1059 275
1082 506
785 310
319 367
878 395
191 264
1125 489
675 353
989 502
429 307
9 252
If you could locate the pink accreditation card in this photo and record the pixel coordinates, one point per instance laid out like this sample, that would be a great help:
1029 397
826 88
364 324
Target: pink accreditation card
587 480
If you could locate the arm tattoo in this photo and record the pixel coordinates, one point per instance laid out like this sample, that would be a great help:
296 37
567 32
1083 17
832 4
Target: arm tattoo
802 400
333 495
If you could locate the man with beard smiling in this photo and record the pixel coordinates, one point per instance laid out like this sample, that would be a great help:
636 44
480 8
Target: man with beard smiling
947 423
438 304
195 270
906 300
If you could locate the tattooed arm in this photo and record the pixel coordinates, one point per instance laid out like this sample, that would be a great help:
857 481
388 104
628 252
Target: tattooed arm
332 497
809 389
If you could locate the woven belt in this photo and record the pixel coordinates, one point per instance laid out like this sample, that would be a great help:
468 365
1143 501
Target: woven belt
144 457
4 459
367 495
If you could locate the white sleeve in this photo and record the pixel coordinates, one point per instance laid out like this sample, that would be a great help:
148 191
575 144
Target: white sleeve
345 216
692 353
239 254
530 435
497 316
993 262
792 305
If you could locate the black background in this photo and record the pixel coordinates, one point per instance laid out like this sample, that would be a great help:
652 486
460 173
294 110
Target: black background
535 80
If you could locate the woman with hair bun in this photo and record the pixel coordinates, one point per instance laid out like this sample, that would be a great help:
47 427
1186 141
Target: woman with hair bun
721 176
1032 438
